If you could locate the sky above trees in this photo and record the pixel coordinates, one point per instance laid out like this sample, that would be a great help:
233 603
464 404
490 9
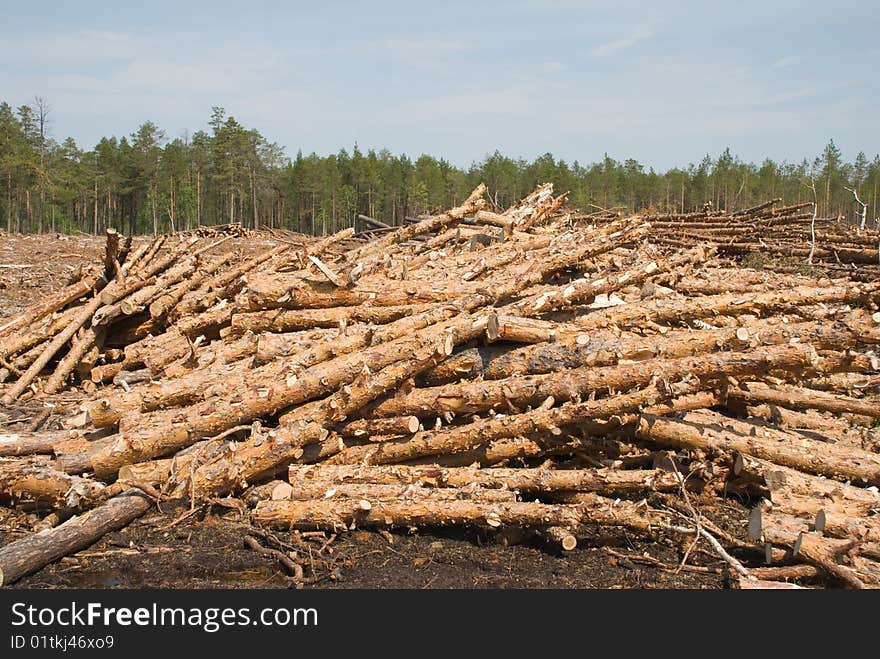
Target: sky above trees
665 83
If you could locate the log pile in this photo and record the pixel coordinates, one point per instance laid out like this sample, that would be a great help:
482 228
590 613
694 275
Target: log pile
527 367
781 238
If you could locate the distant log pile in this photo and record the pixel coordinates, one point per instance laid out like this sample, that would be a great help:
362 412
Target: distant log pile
774 231
525 367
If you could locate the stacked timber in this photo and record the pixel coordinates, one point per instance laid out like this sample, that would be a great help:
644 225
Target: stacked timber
784 238
527 367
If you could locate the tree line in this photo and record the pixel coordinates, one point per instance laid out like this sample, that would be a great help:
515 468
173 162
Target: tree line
226 173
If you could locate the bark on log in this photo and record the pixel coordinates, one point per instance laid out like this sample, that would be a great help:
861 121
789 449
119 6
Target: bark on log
368 428
524 480
718 433
676 311
804 399
396 492
334 515
518 392
304 319
213 289
16 444
463 438
22 479
53 303
25 556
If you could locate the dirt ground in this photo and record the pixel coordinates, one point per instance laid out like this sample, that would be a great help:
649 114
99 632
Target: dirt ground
208 551
164 549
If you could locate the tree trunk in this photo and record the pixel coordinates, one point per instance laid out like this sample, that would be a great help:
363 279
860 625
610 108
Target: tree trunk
25 556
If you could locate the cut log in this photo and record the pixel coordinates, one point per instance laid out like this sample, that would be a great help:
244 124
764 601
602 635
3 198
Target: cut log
335 515
16 444
21 479
718 433
518 392
25 556
369 428
395 492
524 481
304 319
543 420
804 399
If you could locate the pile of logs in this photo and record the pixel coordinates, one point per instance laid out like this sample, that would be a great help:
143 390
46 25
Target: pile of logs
530 368
774 231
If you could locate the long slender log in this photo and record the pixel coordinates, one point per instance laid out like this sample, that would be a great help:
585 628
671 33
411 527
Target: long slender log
20 341
163 304
542 420
30 443
804 399
525 481
136 301
518 392
675 311
368 428
367 387
585 290
304 319
208 294
21 479
25 556
396 492
78 349
472 204
717 433
332 514
53 303
606 349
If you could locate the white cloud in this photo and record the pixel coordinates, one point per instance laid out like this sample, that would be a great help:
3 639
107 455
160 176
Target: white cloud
786 61
609 47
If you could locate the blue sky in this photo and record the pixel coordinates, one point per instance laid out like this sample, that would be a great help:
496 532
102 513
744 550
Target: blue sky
665 83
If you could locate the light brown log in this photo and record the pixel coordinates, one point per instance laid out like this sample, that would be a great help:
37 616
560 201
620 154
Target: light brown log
607 348
304 319
213 290
780 478
164 303
803 399
29 554
676 311
472 204
523 480
15 444
368 428
561 536
463 438
500 451
50 305
367 387
48 327
494 219
22 479
105 372
786 418
585 290
78 349
332 514
261 453
717 433
291 291
395 492
137 300
179 467
518 392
